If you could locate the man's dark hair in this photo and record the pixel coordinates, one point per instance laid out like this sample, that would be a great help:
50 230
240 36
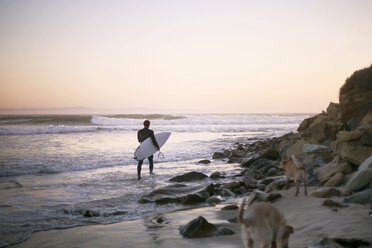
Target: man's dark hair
146 123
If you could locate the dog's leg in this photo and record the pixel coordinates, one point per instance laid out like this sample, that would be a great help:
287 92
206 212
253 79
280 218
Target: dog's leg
295 178
305 180
286 181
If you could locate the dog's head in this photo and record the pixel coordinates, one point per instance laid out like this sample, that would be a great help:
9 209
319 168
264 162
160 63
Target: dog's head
288 231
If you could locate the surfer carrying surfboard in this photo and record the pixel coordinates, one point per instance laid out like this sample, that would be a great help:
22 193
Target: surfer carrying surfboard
142 135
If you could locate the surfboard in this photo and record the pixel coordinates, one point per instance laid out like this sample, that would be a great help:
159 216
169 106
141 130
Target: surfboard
147 148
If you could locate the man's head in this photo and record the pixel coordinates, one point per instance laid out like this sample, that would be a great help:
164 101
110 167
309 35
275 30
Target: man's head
146 123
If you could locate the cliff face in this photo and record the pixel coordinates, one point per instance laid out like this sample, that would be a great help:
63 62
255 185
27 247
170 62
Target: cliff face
356 98
345 127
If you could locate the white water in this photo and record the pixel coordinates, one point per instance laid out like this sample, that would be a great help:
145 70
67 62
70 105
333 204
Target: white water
53 169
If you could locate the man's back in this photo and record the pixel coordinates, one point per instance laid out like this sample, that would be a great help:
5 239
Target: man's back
144 133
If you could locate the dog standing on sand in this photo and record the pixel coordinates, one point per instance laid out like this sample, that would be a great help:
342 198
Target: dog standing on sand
264 224
293 168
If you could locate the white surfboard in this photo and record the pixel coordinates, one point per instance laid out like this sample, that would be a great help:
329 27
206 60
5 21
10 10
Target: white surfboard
147 148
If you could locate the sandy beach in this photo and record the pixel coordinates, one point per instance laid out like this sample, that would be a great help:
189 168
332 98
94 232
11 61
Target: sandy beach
310 219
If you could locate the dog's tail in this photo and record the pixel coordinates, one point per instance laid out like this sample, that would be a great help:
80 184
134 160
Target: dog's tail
241 211
297 163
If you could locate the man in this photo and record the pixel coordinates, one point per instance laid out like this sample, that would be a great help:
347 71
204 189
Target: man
143 134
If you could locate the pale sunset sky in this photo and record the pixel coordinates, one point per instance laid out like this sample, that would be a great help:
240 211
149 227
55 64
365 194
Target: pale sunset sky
191 56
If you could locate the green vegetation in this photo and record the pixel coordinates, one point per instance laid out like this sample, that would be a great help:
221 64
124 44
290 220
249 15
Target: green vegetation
360 80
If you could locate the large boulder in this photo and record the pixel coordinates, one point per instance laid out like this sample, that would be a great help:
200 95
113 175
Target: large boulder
353 152
326 172
362 177
190 176
322 132
363 197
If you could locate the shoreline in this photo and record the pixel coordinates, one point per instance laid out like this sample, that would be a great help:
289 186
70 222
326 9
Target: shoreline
310 219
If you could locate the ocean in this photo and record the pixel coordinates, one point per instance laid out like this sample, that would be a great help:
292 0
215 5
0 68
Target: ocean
55 167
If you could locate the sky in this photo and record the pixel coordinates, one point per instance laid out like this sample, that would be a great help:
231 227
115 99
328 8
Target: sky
192 56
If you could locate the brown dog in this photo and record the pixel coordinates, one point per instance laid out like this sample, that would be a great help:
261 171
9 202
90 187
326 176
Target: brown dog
264 224
293 168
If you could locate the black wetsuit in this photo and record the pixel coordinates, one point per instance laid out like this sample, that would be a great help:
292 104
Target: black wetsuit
142 135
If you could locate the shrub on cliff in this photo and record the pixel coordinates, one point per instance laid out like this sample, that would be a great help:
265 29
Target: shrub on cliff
360 80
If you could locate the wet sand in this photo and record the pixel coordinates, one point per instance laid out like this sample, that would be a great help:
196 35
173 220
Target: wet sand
311 221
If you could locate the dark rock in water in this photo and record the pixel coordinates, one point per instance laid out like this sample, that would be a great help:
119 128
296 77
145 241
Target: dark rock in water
218 155
91 213
363 197
340 243
232 185
204 161
215 175
273 197
214 199
332 204
190 176
230 207
233 220
224 231
192 199
326 193
198 228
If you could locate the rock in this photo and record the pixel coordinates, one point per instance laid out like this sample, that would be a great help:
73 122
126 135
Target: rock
214 199
345 136
227 193
305 124
336 180
353 151
272 197
295 149
362 177
190 176
198 228
318 149
322 132
333 111
366 138
237 153
329 170
218 155
224 231
366 122
340 243
277 184
91 213
232 185
363 197
204 161
256 196
270 154
230 207
233 220
326 193
215 175
250 159
332 204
